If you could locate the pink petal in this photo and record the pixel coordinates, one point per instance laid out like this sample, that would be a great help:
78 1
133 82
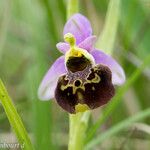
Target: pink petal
118 75
49 82
88 43
79 26
63 47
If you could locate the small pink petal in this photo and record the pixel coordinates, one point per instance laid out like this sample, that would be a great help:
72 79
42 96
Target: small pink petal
49 82
118 75
79 26
63 47
88 43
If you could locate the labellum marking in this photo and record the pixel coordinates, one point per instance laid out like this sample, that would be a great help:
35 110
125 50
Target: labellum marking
81 107
91 87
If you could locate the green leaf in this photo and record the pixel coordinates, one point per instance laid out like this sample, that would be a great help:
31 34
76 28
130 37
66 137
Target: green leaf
14 119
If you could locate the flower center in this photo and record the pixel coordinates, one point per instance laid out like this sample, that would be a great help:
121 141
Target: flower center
74 50
76 59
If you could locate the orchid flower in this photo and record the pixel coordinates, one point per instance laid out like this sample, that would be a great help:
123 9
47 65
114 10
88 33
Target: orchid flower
84 77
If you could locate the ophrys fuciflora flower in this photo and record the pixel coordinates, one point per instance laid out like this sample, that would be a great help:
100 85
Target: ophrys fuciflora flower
84 77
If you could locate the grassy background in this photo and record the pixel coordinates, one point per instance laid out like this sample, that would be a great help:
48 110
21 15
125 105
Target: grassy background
29 31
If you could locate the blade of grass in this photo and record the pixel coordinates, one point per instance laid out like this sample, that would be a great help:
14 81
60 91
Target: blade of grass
20 107
14 118
72 7
107 38
116 100
117 128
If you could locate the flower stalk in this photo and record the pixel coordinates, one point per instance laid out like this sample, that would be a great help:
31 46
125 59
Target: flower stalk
78 123
14 119
78 126
72 8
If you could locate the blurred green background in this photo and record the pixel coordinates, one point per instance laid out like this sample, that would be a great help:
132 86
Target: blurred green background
29 31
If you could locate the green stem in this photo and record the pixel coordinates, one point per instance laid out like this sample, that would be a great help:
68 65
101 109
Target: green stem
79 121
78 127
14 119
72 7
